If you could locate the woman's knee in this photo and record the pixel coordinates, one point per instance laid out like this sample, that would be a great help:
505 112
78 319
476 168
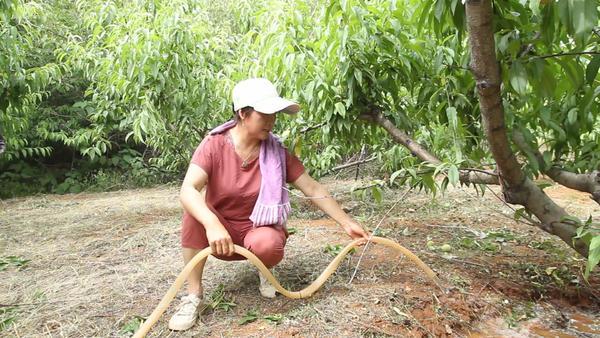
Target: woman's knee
267 244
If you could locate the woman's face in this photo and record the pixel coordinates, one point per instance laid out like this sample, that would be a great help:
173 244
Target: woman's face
258 125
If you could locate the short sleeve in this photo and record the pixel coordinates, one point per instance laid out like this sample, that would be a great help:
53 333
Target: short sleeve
294 168
204 154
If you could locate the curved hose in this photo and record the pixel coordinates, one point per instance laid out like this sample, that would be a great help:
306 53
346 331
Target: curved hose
304 293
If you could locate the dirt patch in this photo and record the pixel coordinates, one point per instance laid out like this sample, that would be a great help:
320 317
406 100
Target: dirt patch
91 264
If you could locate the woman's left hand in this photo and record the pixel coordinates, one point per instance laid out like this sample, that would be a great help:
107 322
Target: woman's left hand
356 231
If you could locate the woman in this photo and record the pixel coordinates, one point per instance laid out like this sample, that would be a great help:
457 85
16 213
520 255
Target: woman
244 169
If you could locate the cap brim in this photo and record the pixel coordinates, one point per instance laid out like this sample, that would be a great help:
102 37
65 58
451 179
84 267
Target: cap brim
276 104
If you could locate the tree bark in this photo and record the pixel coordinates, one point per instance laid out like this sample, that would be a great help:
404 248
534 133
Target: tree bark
465 175
347 165
589 182
517 188
401 137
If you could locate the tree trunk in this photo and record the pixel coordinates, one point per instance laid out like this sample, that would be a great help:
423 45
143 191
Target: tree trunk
517 188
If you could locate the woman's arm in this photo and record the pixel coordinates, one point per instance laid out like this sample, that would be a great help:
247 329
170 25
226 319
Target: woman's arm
325 202
193 201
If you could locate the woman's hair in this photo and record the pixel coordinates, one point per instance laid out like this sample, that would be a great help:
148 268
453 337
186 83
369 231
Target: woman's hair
245 110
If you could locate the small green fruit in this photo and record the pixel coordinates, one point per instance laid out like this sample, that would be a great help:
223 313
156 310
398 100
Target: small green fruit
446 248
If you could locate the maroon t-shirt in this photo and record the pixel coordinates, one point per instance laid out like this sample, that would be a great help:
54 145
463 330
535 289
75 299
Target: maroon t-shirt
231 189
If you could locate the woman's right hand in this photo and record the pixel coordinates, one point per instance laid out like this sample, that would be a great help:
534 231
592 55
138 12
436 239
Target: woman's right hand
220 241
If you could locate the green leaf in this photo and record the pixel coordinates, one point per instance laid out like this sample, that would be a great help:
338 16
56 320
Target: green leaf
584 15
376 191
592 69
429 182
572 116
573 71
298 146
249 317
340 109
503 42
444 184
571 219
593 256
453 175
7 317
518 77
132 325
548 26
543 185
451 113
394 175
440 6
274 319
358 76
544 78
519 213
562 136
534 5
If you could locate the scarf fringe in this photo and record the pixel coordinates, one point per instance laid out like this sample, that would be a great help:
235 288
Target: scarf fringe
270 214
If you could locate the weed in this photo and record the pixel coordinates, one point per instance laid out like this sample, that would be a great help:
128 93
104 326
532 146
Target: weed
132 325
381 232
500 236
545 245
274 319
253 315
39 296
16 261
217 300
249 317
7 317
459 281
541 278
335 250
520 313
489 242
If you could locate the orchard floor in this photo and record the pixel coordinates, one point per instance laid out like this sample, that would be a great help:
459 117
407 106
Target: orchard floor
92 265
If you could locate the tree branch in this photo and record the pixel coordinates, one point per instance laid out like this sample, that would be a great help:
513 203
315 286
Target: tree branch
347 165
309 128
465 175
477 176
399 136
589 182
564 54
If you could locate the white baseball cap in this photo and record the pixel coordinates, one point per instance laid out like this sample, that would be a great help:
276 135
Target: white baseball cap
261 95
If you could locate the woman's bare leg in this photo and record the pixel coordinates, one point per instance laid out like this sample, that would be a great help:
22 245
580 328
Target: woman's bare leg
194 280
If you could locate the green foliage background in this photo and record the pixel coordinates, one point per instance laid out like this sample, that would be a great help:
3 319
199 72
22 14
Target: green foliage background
88 85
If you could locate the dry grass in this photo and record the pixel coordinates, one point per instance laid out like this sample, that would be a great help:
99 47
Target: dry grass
99 260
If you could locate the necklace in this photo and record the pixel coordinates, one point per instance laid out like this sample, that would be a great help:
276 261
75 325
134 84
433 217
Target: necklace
245 161
236 148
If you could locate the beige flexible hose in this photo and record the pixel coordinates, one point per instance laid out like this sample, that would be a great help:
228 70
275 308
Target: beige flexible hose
304 293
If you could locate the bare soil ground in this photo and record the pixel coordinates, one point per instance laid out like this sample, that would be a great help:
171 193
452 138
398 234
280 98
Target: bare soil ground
91 265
